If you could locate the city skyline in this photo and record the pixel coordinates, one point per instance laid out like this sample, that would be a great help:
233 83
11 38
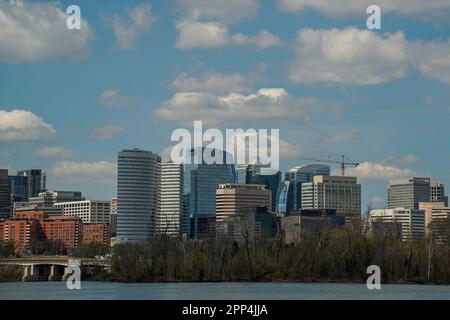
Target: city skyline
102 90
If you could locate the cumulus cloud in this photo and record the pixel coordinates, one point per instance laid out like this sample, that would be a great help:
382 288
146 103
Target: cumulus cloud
112 98
53 152
378 171
349 56
207 35
229 11
21 125
106 132
209 82
341 136
432 59
101 172
130 27
272 104
346 8
31 32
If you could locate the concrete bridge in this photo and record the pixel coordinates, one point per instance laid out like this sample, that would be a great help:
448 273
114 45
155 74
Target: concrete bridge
53 268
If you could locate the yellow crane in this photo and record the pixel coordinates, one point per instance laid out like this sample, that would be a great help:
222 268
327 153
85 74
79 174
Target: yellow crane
342 162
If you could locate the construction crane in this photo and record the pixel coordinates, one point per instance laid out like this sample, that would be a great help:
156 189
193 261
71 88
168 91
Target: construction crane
342 162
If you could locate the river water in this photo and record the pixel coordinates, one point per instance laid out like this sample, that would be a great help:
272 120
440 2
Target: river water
219 291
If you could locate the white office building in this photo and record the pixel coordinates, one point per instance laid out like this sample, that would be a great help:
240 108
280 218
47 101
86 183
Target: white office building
90 211
410 222
333 192
170 215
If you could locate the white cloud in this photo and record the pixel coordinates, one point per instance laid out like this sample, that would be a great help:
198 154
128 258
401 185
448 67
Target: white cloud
349 56
229 11
194 34
106 132
209 82
407 159
31 32
378 171
263 40
101 172
341 136
377 201
272 104
207 35
432 59
54 152
129 28
112 98
21 125
346 8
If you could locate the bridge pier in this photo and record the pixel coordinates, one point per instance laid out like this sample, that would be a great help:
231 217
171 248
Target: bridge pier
29 273
55 274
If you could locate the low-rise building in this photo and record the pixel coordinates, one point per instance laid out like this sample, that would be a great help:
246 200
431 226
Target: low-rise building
293 227
437 220
96 233
411 222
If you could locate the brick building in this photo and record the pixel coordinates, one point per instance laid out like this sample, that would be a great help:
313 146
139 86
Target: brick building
96 233
27 227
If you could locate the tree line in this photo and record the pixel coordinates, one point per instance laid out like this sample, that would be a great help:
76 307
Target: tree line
330 255
333 255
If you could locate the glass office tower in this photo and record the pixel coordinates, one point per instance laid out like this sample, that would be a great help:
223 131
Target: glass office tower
302 174
200 183
138 194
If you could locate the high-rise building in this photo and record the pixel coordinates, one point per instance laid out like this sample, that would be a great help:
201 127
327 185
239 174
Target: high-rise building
333 192
232 199
302 174
37 181
200 183
437 192
170 216
410 223
252 174
5 195
138 194
407 193
19 188
90 211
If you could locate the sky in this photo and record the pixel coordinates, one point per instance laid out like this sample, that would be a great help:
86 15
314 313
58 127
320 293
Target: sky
137 70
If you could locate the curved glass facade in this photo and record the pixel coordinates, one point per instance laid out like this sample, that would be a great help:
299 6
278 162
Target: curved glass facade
302 174
285 198
138 194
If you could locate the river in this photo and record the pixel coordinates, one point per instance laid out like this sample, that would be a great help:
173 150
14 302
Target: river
219 291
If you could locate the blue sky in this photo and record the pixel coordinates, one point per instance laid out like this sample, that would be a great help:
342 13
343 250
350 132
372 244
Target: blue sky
70 99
